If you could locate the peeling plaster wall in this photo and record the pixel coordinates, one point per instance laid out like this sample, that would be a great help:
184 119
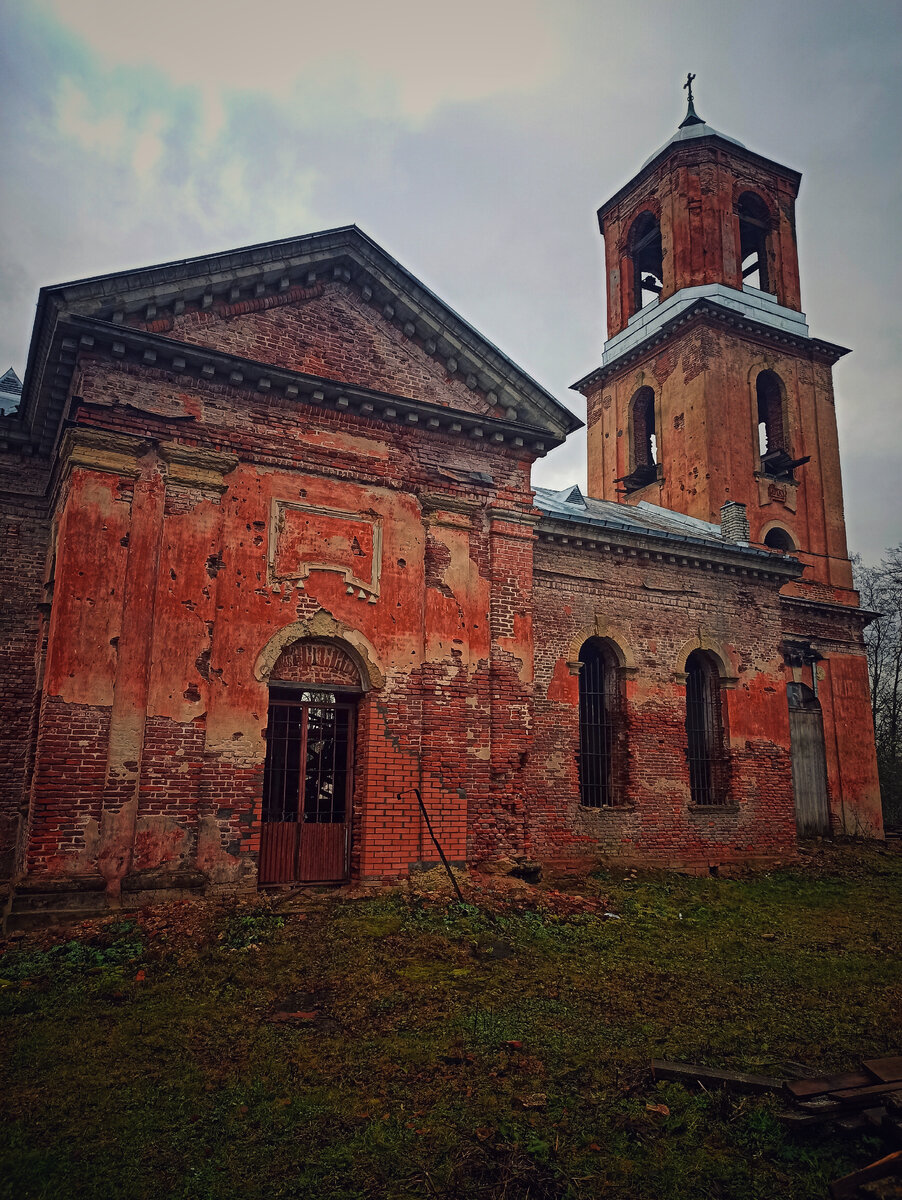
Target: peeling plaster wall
191 558
693 193
578 595
706 402
704 385
843 690
196 530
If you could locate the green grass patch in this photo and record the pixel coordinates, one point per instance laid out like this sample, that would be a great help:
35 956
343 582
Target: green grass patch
135 1063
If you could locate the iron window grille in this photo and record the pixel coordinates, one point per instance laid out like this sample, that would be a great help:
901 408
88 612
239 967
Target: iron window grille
600 729
308 748
704 732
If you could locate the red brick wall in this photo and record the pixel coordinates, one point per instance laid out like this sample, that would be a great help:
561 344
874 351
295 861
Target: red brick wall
693 193
181 573
708 447
843 690
704 385
317 663
24 539
176 602
64 833
578 592
326 330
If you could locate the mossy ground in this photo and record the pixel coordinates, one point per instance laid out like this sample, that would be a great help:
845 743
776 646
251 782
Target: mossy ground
143 1063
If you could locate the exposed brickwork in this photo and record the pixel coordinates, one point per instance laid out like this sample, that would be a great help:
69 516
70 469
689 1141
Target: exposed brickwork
577 594
705 377
316 663
215 539
332 332
24 541
64 835
693 191
193 735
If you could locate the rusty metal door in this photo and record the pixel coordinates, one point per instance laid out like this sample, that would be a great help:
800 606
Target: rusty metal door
809 763
307 786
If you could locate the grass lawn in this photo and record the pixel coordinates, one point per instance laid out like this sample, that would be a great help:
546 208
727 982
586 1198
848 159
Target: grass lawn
141 1061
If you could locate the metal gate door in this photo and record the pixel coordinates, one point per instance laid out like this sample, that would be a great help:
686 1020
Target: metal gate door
809 764
306 788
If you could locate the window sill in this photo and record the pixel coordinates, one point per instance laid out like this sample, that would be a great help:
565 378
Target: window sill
715 809
609 808
644 478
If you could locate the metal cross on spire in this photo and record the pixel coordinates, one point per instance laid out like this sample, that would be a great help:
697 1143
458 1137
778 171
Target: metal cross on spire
692 117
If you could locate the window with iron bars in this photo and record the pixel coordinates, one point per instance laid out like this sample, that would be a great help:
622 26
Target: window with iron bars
704 731
601 729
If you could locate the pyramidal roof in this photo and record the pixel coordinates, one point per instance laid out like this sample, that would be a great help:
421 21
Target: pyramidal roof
687 133
691 128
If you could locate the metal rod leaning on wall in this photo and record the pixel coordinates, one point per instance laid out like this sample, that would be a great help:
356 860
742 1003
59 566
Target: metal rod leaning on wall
435 840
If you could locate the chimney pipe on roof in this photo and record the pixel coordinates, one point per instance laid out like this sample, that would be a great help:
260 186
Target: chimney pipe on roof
734 523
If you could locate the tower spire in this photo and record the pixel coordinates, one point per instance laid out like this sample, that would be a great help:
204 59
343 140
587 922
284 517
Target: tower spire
691 117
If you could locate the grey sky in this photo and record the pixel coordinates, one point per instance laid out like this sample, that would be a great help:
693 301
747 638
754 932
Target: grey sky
474 142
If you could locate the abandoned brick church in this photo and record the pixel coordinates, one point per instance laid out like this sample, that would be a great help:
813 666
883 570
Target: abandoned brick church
273 560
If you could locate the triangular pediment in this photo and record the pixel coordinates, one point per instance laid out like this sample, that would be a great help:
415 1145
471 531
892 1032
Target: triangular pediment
330 304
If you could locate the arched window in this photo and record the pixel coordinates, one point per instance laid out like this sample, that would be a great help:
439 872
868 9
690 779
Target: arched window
647 254
754 227
704 729
600 727
780 540
770 413
773 446
643 440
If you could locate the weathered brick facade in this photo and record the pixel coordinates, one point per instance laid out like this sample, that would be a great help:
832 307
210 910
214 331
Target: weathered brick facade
725 609
744 409
291 476
24 540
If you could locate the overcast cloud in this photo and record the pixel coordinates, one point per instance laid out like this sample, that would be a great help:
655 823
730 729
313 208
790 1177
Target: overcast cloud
473 141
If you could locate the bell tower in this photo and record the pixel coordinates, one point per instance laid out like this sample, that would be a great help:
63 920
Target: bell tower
711 386
712 389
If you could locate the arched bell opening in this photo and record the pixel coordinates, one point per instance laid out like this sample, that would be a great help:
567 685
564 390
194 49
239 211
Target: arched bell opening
646 251
754 241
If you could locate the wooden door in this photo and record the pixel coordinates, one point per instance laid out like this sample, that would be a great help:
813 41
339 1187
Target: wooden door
809 763
307 785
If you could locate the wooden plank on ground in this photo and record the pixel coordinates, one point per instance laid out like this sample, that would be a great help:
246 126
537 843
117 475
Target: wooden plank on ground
733 1081
875 1116
797 1120
863 1097
854 1123
888 1069
847 1187
803 1088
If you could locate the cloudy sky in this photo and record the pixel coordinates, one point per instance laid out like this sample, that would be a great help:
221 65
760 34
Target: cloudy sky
474 141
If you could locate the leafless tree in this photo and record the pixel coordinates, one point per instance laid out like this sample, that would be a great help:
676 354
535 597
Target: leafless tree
881 591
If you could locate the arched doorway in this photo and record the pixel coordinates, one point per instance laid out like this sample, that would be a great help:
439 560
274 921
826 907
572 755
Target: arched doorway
309 772
809 763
